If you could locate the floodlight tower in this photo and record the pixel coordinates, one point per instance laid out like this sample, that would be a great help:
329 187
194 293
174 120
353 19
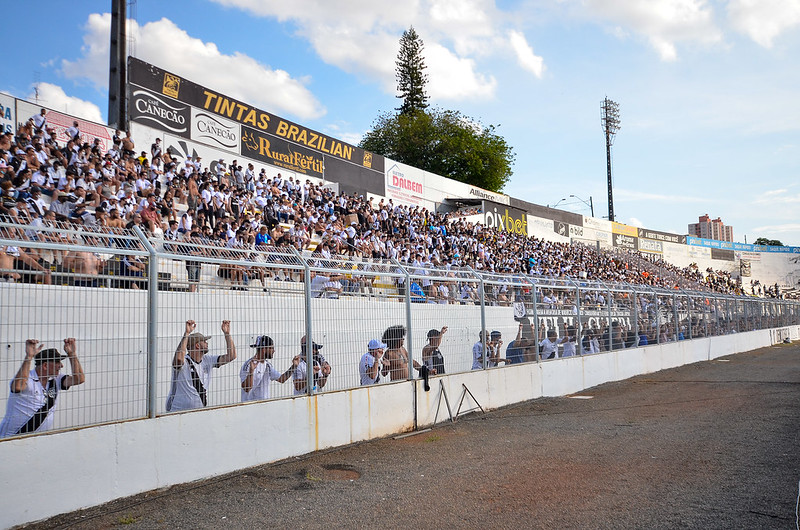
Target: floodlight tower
610 121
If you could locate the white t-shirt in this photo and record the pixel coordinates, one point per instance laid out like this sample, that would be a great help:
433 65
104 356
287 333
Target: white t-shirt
21 406
262 375
368 361
548 348
183 395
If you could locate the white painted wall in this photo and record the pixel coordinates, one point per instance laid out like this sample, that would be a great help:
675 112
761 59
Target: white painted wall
121 459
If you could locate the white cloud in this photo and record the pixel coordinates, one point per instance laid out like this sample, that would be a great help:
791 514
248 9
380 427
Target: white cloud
166 45
777 197
53 96
664 23
624 195
361 36
635 222
777 229
764 20
525 56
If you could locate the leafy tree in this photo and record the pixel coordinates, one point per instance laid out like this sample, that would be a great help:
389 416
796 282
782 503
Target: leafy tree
410 73
771 242
444 142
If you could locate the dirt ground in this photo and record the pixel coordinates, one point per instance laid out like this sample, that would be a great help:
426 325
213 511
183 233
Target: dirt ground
709 445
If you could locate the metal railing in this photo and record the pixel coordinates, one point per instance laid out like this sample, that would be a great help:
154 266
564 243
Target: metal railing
126 299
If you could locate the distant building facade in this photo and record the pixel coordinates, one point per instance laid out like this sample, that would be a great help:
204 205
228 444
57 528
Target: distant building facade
708 228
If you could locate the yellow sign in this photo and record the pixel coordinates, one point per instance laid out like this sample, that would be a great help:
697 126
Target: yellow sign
619 228
172 85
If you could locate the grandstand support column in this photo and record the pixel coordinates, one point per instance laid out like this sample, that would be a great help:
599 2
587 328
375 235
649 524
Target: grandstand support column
152 325
117 74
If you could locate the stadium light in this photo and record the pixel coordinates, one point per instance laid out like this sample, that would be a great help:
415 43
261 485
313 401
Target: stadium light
590 204
611 124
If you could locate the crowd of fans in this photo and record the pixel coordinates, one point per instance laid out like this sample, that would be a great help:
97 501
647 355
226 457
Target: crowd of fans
224 204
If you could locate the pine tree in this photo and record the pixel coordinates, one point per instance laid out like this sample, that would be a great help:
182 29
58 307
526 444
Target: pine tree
410 73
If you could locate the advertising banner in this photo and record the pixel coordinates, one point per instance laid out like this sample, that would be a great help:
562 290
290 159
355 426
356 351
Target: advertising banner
61 122
505 218
713 243
8 115
159 112
597 224
479 193
619 228
625 241
215 131
150 77
645 233
723 254
281 153
650 245
405 184
561 228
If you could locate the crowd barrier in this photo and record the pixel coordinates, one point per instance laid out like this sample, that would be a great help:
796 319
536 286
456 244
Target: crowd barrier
128 323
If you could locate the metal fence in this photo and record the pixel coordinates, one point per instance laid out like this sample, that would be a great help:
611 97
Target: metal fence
126 299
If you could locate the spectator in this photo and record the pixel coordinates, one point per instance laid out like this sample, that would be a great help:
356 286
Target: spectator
431 355
34 391
371 367
321 369
191 368
257 372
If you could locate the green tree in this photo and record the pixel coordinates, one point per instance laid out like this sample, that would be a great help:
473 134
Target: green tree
444 142
410 73
771 242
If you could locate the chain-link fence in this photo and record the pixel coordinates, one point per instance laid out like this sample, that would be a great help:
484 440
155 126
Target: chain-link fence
167 325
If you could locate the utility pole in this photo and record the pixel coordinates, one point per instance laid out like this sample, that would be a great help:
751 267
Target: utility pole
117 66
610 121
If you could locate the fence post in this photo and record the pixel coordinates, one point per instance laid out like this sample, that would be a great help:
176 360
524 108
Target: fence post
152 324
410 348
483 315
310 383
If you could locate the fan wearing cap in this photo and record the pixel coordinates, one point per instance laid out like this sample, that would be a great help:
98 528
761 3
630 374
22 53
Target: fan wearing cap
371 367
35 391
321 369
257 371
191 368
493 343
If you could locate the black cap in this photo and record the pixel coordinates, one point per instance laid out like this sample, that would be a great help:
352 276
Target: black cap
263 341
50 354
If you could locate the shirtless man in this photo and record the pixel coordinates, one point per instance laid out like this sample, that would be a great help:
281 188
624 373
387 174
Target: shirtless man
86 266
396 354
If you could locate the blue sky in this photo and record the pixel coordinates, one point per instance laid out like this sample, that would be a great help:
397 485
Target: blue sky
708 90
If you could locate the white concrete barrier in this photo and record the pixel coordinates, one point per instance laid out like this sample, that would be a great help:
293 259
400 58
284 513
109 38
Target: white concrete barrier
106 462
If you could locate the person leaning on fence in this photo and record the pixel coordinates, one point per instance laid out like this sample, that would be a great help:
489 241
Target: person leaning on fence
257 372
191 368
321 369
431 356
371 367
35 391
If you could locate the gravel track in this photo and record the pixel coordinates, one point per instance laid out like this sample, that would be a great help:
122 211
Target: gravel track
708 445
